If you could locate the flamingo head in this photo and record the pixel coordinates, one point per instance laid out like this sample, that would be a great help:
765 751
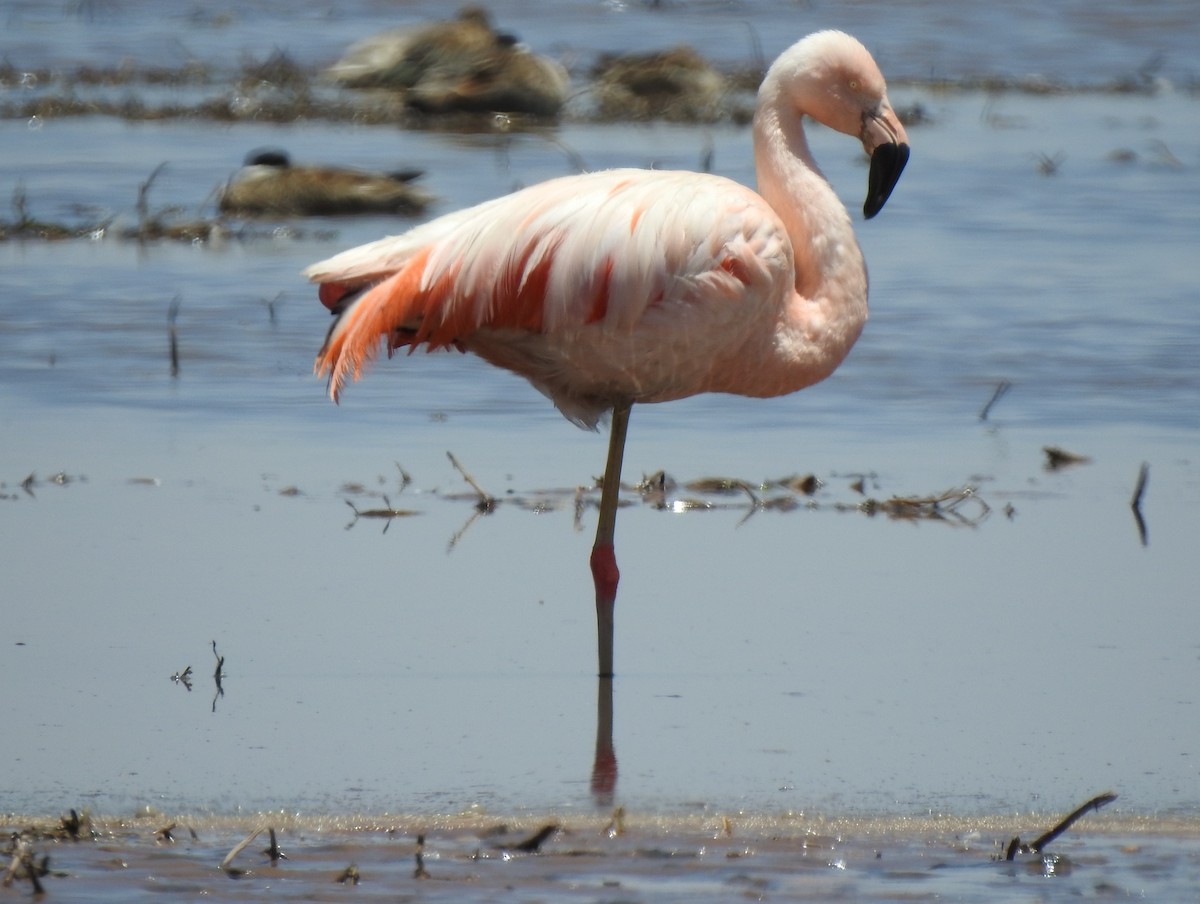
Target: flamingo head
832 77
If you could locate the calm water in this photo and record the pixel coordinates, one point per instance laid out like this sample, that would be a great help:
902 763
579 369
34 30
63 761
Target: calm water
1013 661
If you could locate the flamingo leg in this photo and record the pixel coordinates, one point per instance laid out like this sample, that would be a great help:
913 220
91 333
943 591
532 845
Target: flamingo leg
604 557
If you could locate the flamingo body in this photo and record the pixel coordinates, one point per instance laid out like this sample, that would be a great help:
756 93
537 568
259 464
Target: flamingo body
624 286
630 285
639 285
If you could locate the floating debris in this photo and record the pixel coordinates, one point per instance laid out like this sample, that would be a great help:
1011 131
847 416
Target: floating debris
1002 389
184 678
946 507
166 835
718 486
808 484
1058 458
616 825
961 506
386 513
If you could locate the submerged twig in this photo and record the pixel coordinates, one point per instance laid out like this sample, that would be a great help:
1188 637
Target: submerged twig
1049 164
1057 458
405 477
173 334
217 676
533 843
273 850
1001 388
420 872
486 501
270 303
143 198
73 824
1136 502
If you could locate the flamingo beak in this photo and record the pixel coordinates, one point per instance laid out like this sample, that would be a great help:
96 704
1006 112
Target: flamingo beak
884 138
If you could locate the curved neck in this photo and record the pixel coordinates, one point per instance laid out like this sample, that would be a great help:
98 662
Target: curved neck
831 277
792 183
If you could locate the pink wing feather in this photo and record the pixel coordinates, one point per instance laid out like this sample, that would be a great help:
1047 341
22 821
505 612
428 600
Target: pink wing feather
596 251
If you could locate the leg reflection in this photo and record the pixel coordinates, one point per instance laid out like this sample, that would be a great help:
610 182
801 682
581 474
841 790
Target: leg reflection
604 767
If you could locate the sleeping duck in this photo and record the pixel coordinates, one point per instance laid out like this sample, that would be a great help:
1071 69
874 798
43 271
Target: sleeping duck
270 185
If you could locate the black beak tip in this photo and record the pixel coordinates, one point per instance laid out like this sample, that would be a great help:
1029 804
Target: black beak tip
887 163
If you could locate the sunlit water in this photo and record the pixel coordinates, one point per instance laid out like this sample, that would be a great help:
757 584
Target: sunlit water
1012 660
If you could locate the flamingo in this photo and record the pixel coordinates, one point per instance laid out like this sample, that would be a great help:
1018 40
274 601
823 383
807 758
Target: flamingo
627 285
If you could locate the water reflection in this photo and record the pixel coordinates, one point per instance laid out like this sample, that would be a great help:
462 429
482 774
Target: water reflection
218 675
604 765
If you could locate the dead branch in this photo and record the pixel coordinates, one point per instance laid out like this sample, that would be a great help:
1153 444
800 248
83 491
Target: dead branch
1015 846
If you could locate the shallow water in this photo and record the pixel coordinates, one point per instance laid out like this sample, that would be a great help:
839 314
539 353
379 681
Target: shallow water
1010 660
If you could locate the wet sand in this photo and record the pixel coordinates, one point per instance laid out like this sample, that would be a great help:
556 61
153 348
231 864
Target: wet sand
634 857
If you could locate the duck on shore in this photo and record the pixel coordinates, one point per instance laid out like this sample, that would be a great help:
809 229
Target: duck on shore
460 65
678 85
270 185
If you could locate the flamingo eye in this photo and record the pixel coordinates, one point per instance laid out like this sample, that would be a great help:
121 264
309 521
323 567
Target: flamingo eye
853 84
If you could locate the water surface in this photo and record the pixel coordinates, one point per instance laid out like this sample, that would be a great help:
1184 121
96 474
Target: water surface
1017 659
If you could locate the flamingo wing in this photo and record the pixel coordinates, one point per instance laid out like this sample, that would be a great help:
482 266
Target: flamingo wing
602 253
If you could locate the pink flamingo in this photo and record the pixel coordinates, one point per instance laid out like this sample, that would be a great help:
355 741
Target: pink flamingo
630 285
